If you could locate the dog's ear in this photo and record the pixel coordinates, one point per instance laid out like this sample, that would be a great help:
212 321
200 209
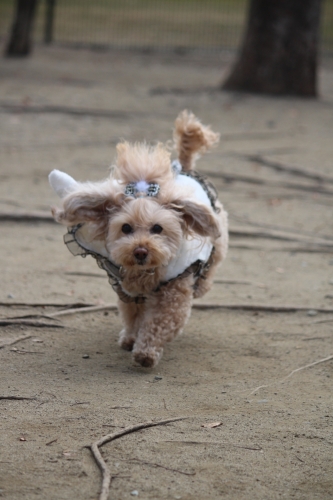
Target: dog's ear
197 218
62 183
90 202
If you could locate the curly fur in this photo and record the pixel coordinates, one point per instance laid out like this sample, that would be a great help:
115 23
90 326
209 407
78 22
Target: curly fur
143 252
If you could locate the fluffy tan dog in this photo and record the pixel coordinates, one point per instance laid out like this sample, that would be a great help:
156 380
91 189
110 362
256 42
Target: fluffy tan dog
156 228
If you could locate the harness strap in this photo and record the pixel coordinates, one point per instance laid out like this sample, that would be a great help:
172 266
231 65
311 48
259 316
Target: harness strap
115 273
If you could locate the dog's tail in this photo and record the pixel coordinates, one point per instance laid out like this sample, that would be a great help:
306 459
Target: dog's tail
192 138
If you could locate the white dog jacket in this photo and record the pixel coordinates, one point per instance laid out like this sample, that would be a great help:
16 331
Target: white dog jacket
193 256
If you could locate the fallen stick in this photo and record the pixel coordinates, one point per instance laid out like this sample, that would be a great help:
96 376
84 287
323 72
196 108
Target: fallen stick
229 177
38 316
106 473
67 312
292 373
6 107
44 304
6 342
252 448
280 167
245 221
233 282
17 398
17 351
276 234
25 216
205 306
28 322
261 307
137 460
298 249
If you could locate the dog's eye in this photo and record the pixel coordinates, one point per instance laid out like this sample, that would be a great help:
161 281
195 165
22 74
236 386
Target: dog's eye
156 229
126 229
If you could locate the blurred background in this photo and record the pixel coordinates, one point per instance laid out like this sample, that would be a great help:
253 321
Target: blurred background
212 25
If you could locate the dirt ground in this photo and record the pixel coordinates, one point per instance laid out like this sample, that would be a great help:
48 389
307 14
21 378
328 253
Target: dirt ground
273 169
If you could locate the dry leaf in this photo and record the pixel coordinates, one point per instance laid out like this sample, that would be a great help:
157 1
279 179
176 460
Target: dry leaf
211 425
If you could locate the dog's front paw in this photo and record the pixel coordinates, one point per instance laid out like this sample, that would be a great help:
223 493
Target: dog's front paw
126 341
148 358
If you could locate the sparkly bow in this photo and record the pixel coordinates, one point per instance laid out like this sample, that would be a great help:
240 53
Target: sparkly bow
141 189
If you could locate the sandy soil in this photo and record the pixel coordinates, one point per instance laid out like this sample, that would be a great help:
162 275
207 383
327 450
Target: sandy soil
67 110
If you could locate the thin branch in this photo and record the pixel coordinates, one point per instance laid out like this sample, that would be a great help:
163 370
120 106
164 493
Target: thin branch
54 109
219 443
28 322
293 249
25 216
44 304
84 310
231 177
205 306
89 275
36 316
15 350
261 307
51 442
233 282
6 342
286 229
292 373
137 460
17 398
276 234
281 167
106 473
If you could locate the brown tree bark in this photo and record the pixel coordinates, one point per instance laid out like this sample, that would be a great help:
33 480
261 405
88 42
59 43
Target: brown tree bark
21 33
280 49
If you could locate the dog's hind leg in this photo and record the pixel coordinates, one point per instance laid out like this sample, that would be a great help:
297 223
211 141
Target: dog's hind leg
165 316
131 315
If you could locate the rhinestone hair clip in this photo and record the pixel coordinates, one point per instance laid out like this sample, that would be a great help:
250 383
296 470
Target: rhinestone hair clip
141 189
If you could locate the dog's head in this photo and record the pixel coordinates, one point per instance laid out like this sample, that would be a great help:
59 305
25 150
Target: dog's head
139 232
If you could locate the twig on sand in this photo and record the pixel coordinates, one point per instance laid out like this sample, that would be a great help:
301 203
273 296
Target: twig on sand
45 304
261 307
290 169
292 373
282 248
51 442
137 460
28 322
30 316
84 310
24 216
106 473
231 177
17 398
5 342
278 234
204 306
219 443
201 306
233 282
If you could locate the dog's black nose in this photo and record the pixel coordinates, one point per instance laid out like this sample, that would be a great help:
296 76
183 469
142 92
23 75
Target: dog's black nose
140 253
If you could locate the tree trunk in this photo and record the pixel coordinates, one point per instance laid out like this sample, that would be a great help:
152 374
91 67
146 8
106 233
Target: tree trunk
280 49
20 38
